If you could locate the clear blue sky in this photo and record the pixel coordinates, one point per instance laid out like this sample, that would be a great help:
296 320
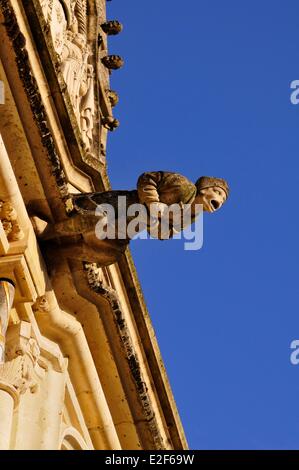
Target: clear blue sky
205 90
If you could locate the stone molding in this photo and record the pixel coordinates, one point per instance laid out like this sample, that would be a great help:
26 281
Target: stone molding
96 283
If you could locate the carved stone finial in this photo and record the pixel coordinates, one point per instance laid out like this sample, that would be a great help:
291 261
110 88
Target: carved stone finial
112 97
110 123
113 62
111 28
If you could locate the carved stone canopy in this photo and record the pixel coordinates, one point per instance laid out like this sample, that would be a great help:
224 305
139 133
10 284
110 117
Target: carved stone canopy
113 62
112 27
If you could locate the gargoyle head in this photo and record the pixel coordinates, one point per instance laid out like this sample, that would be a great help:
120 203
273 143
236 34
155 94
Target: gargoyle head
211 192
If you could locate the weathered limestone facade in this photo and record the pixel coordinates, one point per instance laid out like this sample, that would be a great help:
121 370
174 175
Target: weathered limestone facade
81 369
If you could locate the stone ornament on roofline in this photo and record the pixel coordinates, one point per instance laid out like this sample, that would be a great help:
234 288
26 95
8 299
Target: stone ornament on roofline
112 27
112 97
113 62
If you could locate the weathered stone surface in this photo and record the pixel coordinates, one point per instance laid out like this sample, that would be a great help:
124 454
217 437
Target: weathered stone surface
113 62
112 27
82 369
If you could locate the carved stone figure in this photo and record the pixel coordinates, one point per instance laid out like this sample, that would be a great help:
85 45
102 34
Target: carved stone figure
7 292
155 190
113 62
74 57
111 28
87 109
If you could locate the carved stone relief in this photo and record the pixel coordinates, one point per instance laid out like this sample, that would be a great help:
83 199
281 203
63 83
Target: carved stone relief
68 26
85 65
23 368
8 217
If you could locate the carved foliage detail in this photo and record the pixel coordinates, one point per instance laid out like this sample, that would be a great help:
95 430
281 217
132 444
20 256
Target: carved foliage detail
113 62
112 97
8 217
21 370
112 27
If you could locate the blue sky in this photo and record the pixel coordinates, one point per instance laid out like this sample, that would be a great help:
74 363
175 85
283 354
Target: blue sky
205 90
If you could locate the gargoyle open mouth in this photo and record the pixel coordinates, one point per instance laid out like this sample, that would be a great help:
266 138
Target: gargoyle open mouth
215 204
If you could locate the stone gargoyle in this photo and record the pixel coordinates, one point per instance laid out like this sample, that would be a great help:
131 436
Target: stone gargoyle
78 235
